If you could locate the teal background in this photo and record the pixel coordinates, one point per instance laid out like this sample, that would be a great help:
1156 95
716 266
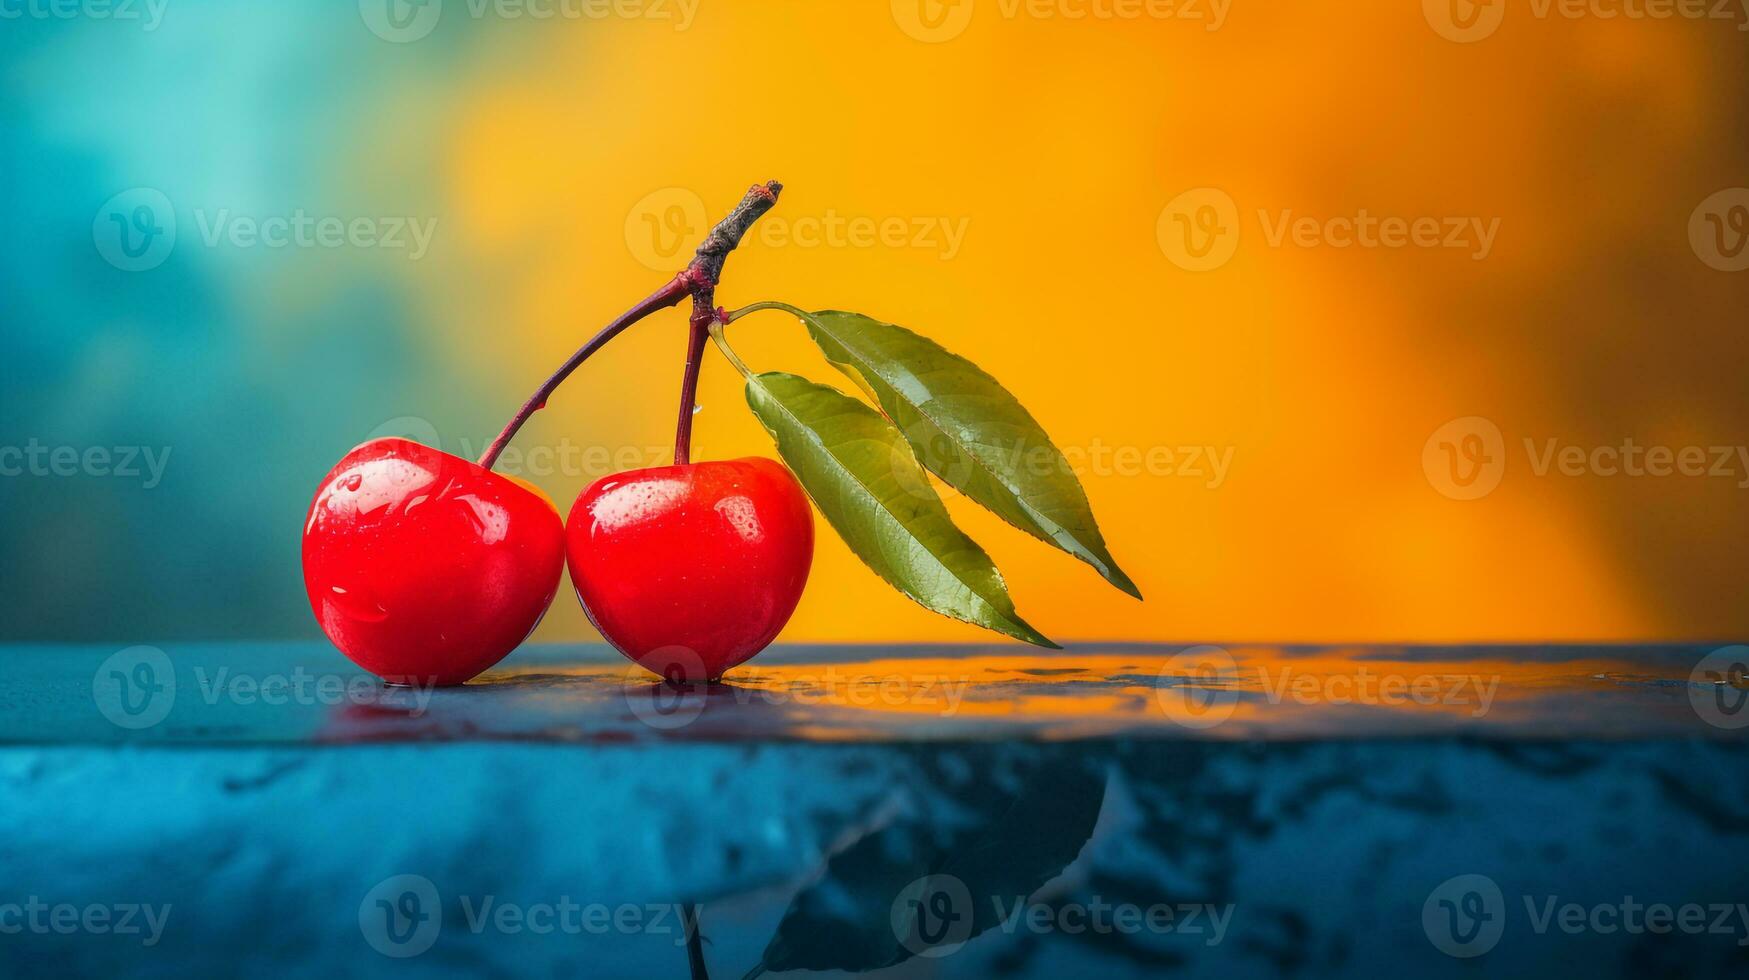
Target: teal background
255 368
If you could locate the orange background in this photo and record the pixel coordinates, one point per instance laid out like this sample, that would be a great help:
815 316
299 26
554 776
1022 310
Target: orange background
564 158
1324 370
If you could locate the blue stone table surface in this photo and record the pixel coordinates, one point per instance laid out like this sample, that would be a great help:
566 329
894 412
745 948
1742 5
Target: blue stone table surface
1117 810
308 694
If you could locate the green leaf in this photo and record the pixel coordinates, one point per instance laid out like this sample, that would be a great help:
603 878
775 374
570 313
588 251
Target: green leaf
967 429
864 479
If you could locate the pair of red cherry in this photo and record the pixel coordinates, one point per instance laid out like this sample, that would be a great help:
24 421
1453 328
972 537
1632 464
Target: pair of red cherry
427 569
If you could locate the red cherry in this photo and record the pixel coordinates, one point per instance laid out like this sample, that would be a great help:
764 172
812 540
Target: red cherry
691 569
426 568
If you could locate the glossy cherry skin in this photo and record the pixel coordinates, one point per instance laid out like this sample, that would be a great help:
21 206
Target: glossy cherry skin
692 569
425 568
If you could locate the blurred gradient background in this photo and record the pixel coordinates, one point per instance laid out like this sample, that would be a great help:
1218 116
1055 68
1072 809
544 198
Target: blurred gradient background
1098 203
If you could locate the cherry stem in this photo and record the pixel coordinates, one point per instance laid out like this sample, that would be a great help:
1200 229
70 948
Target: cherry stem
699 280
694 942
702 317
707 271
716 332
794 311
717 326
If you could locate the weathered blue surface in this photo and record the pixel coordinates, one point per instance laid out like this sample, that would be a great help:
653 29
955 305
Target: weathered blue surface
306 694
795 811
